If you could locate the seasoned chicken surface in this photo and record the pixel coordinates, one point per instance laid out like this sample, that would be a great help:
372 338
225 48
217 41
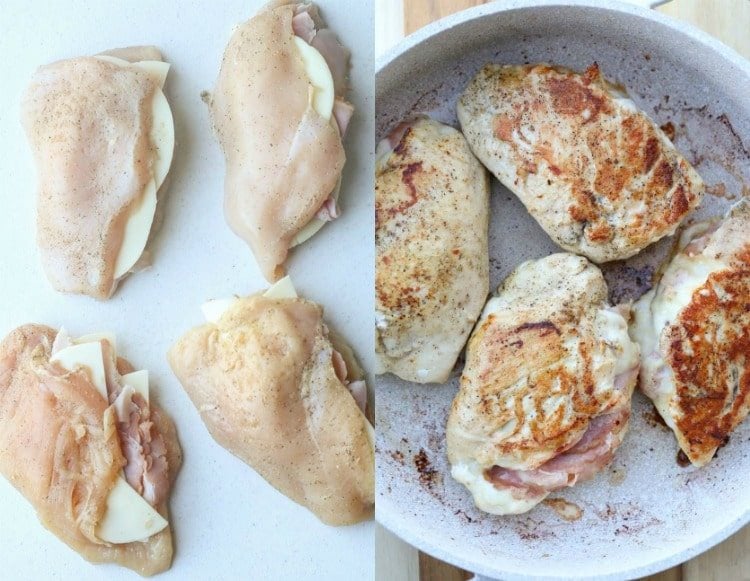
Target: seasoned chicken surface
280 115
65 447
694 332
272 390
431 264
544 398
596 173
102 136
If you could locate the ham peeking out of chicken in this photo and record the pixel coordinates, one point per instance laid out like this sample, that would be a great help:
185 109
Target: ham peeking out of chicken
285 394
102 135
544 401
81 439
280 114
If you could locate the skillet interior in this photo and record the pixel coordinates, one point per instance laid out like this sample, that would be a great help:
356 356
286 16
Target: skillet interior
645 512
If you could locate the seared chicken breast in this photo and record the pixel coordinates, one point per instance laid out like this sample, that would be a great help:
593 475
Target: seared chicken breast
275 389
431 261
82 441
694 332
544 397
280 114
102 135
596 173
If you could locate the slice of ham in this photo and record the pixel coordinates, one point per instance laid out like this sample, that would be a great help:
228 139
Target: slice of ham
303 26
337 58
358 388
342 112
328 211
588 456
141 442
144 449
305 23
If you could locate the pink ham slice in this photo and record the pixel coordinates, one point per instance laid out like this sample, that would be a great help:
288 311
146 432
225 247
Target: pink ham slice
146 454
588 456
357 388
141 443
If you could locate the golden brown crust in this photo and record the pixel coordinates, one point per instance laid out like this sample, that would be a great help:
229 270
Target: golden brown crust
431 264
708 350
539 366
600 177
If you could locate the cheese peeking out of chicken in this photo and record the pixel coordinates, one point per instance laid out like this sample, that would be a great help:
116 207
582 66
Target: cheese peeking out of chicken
279 390
81 439
280 114
102 135
544 398
694 331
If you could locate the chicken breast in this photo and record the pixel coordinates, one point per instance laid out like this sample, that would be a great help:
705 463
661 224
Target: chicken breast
431 262
273 390
103 137
694 332
596 173
90 470
280 115
544 397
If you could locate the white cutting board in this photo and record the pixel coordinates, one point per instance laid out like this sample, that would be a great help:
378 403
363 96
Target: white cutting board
228 522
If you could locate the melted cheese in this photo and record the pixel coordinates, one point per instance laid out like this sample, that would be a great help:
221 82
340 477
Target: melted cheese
612 328
660 307
486 496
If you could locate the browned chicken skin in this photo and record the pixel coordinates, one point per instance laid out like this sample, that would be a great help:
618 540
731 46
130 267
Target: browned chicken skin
598 175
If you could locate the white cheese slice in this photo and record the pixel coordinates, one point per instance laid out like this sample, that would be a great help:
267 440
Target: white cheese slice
137 230
128 518
320 78
138 380
91 337
215 308
138 227
322 96
88 356
157 69
162 136
282 289
316 223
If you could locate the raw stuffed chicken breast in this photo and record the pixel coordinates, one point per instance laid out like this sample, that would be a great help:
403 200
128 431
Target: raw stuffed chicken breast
83 441
102 135
277 389
280 114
